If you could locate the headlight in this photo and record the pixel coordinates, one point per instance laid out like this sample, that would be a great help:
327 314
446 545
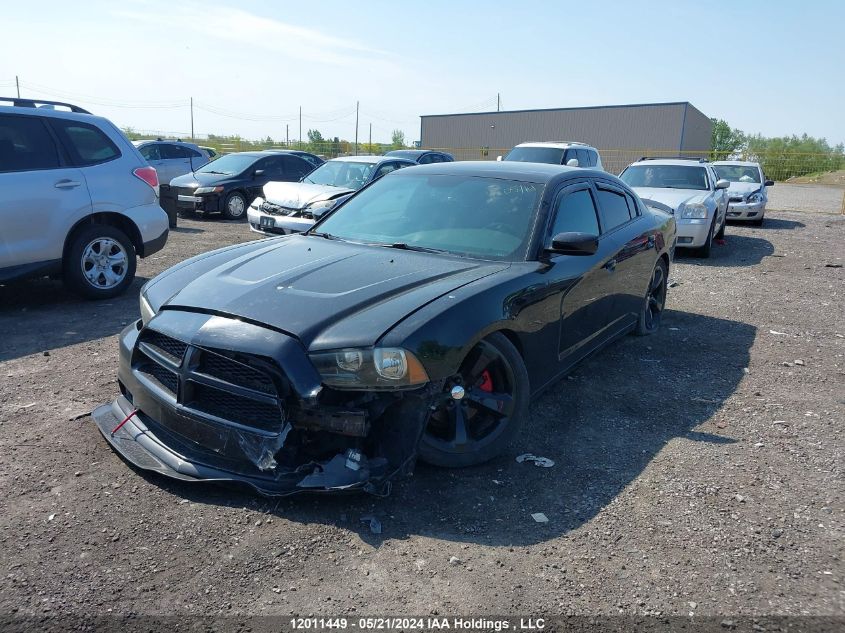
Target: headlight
755 197
694 210
147 311
256 204
379 368
201 190
319 208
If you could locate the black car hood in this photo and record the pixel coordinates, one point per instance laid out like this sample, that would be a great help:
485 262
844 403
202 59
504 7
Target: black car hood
202 179
328 294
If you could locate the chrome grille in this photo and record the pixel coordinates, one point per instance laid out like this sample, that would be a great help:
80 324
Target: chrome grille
276 209
736 198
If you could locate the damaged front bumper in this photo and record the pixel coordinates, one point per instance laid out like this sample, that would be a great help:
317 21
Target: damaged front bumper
221 400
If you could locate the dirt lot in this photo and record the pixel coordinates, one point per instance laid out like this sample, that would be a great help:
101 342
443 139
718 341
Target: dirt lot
699 470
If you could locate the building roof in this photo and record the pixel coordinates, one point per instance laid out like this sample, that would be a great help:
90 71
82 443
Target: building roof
599 107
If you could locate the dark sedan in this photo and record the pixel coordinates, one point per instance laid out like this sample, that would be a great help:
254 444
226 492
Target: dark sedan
422 156
229 184
418 319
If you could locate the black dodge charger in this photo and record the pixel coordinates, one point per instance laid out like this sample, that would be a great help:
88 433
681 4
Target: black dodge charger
416 320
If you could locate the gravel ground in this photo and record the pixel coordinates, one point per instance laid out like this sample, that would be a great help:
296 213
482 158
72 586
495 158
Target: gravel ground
696 471
807 198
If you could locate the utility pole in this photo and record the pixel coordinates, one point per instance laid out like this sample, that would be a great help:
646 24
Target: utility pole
192 118
371 137
356 127
287 135
18 86
498 102
300 127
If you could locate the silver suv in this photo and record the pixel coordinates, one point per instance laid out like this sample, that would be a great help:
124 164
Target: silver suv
172 158
77 199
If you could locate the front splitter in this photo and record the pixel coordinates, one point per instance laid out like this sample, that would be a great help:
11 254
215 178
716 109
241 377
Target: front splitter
138 445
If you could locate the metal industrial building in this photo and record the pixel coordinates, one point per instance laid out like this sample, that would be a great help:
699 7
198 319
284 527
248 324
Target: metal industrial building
621 133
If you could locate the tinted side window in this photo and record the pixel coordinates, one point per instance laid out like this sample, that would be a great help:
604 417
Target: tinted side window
296 166
150 152
594 158
633 207
25 144
425 159
386 168
273 167
86 144
575 211
583 158
568 155
614 208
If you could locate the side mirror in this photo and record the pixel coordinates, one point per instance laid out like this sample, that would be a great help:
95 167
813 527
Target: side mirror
258 172
723 184
499 158
770 183
574 243
572 162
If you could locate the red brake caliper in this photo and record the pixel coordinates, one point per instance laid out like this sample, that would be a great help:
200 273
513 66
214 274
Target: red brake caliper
486 382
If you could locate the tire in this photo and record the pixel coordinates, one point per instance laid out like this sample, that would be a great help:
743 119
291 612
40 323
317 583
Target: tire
704 251
235 206
654 301
759 221
721 234
86 270
172 220
492 410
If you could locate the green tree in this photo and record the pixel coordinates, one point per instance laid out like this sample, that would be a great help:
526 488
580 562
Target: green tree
725 140
397 139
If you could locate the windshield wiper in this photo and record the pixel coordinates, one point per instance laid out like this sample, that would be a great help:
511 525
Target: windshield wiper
413 247
327 236
215 172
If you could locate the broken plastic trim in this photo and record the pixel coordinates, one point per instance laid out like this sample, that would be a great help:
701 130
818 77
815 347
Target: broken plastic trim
261 451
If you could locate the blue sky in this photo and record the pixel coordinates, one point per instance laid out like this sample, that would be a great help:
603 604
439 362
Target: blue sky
769 67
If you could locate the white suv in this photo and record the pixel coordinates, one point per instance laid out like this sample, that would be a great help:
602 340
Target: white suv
569 153
77 199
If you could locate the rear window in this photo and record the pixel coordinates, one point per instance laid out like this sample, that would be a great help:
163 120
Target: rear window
86 144
26 145
551 155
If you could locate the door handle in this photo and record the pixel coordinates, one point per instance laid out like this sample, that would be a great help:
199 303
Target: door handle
67 184
610 265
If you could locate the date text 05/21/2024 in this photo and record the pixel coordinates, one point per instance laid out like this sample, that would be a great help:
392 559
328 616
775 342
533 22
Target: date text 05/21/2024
423 624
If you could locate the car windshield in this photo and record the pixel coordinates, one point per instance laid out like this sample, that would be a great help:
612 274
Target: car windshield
485 218
341 173
666 176
738 173
553 155
229 164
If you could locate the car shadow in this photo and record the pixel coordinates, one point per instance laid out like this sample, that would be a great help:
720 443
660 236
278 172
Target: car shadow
29 311
770 224
186 230
601 426
734 250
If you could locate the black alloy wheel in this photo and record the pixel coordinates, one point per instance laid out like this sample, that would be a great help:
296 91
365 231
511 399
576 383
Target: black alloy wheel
481 407
655 300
